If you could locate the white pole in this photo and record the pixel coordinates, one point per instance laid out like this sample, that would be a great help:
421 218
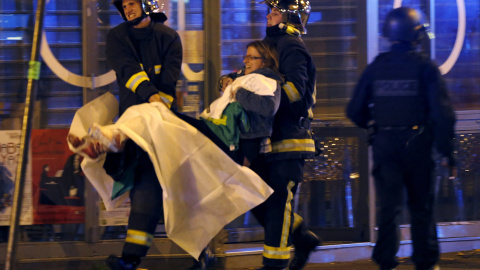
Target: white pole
181 15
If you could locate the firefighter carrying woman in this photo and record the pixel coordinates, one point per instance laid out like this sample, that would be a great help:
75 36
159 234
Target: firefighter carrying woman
262 121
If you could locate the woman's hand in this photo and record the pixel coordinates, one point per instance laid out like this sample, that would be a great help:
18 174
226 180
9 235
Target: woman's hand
226 81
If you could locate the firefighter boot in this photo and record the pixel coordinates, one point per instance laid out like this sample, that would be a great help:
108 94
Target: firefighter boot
305 243
119 263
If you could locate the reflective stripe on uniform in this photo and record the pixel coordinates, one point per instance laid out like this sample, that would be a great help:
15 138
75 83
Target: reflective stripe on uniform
281 253
219 122
139 238
297 220
294 145
158 69
287 215
291 91
166 98
136 79
310 113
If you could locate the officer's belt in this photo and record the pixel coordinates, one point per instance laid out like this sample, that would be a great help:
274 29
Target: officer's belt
398 128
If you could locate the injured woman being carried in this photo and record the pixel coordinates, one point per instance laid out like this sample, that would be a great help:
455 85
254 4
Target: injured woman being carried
242 115
197 161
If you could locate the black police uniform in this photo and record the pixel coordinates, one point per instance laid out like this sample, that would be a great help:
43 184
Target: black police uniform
403 98
147 61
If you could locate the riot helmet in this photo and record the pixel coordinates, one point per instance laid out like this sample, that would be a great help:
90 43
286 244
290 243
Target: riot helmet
153 8
405 24
295 12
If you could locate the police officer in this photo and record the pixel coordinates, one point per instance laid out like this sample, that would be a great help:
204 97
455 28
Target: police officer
403 99
291 138
146 56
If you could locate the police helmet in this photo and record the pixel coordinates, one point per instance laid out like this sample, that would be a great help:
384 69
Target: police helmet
154 8
295 12
405 24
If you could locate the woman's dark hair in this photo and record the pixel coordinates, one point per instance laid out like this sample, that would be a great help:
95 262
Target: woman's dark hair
269 54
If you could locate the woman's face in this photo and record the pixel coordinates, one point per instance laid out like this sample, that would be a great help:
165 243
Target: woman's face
274 17
132 9
252 60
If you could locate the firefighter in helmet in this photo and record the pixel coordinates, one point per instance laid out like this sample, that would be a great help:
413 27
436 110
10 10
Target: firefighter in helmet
146 56
402 99
295 13
155 9
292 141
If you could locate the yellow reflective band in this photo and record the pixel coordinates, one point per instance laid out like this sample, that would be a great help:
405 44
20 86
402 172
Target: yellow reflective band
287 215
136 80
297 220
139 238
292 31
219 122
282 253
166 98
294 145
291 91
310 113
141 66
158 69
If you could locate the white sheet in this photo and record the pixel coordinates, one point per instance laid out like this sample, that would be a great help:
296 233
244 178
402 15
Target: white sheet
203 189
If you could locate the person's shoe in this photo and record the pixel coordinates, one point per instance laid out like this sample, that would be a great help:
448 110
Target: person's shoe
117 263
111 139
75 141
304 244
205 260
87 146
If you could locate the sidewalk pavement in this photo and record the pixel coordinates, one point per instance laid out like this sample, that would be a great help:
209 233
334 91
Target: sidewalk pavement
468 260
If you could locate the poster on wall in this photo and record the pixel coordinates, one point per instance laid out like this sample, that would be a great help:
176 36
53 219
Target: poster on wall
114 217
57 179
9 155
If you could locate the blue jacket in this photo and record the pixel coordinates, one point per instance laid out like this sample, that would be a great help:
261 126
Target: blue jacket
260 109
251 116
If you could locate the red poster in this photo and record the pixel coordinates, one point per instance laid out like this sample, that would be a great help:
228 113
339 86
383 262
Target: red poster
57 180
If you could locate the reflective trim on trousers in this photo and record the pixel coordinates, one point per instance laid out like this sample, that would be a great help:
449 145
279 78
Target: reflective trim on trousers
279 253
139 238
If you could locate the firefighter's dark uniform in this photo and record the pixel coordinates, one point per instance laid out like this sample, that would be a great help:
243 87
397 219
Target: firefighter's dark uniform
146 61
282 169
402 97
